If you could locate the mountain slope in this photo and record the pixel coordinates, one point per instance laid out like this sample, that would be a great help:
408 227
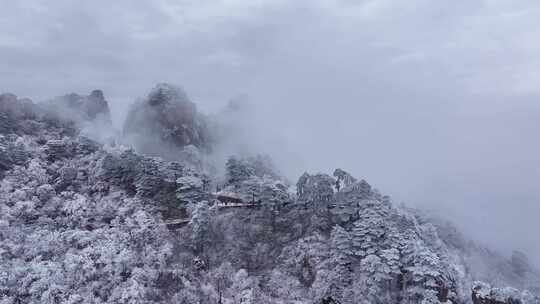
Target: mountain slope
86 222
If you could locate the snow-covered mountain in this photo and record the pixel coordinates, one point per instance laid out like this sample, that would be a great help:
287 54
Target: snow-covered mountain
89 221
166 121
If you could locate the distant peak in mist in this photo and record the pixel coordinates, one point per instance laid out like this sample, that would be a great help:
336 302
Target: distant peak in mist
81 109
165 93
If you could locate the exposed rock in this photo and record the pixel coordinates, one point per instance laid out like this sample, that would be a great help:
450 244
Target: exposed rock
79 108
166 116
95 105
343 177
318 188
351 193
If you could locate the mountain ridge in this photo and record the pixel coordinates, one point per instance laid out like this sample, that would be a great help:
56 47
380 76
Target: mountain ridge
84 221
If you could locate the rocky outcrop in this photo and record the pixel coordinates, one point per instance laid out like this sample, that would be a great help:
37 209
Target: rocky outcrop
95 105
166 117
80 108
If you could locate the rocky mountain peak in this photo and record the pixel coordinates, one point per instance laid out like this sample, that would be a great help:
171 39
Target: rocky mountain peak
166 117
97 94
165 93
80 108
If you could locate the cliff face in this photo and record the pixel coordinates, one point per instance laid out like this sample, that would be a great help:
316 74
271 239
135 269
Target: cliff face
166 117
80 108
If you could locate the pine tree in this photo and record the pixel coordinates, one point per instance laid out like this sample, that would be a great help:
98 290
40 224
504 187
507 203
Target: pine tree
200 225
340 261
370 229
238 171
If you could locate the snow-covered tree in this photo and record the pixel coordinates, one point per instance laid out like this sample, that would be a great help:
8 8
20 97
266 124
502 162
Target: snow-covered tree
316 190
200 225
343 178
336 275
238 170
370 229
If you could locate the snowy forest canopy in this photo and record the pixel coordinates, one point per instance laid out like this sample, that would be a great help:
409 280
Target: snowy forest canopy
144 215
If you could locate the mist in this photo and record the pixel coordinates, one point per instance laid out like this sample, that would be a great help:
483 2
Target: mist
436 104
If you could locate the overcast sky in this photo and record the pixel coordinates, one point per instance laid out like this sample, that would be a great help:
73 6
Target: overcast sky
434 102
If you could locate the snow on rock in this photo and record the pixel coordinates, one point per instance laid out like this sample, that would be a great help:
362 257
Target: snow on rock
166 117
192 189
80 108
